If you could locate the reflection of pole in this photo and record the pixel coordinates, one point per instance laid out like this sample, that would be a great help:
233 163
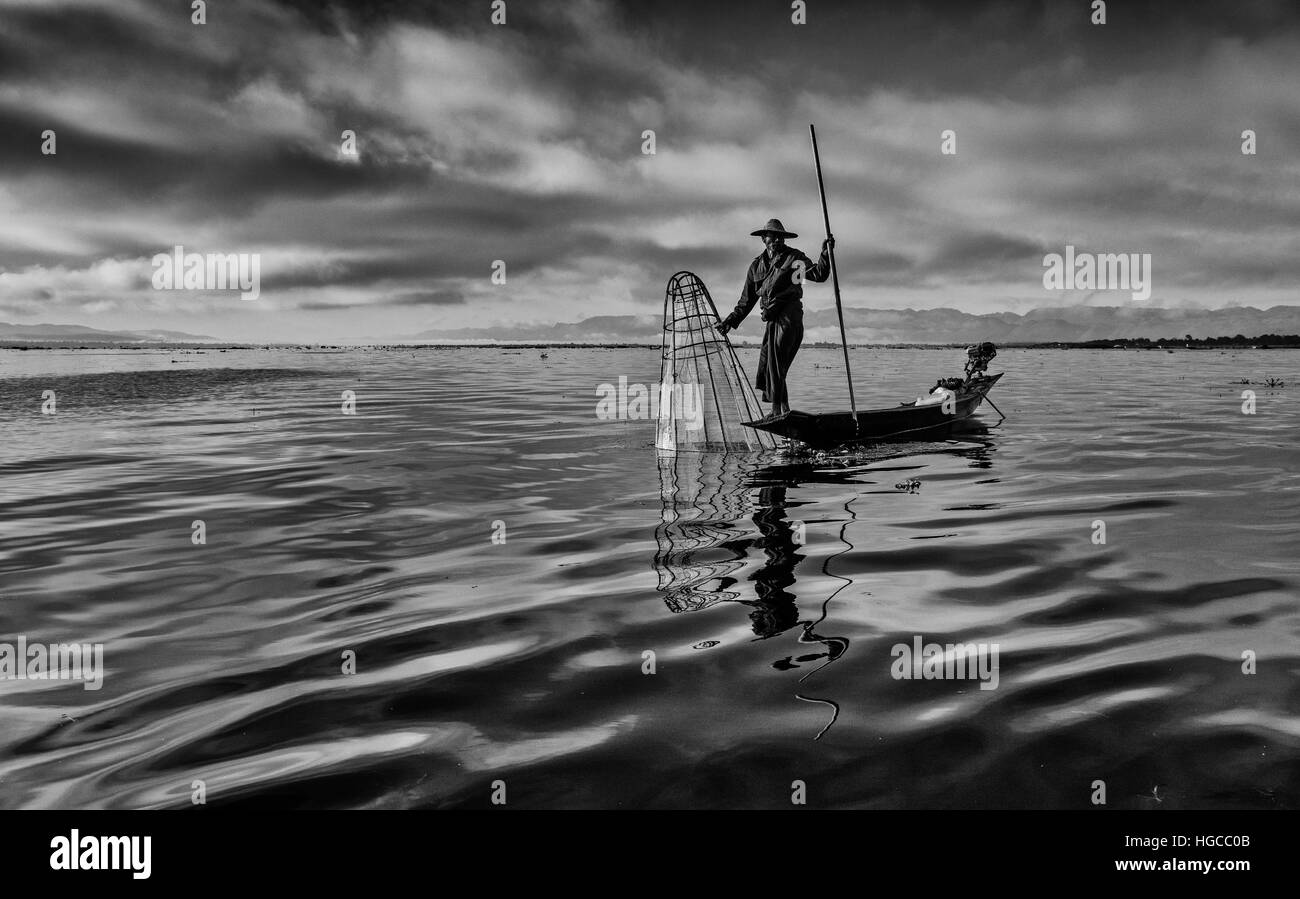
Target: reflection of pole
809 636
835 278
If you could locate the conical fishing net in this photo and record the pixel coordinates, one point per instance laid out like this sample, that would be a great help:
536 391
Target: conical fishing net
704 395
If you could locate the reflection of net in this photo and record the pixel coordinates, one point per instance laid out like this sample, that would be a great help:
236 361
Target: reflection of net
703 499
704 394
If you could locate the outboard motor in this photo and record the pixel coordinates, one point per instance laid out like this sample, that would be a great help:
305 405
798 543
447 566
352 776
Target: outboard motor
978 358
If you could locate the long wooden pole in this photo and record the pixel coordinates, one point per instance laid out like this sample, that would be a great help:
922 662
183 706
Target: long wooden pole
835 278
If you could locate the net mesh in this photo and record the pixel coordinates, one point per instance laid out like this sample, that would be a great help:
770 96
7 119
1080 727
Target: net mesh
704 396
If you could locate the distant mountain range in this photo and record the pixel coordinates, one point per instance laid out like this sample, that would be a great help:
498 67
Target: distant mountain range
938 326
80 334
1074 324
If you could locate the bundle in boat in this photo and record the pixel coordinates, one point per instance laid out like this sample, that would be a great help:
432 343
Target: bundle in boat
705 399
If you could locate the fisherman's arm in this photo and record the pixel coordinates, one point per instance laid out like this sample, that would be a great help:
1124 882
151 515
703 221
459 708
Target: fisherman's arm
748 297
821 269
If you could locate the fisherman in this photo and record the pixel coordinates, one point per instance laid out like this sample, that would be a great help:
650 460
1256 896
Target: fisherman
775 282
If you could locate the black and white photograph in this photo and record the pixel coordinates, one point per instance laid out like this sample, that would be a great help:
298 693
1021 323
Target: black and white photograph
480 406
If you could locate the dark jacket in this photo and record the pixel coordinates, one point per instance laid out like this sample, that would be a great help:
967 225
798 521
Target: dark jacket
770 281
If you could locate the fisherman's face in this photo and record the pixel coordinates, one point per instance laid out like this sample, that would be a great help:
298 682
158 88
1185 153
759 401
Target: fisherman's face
772 242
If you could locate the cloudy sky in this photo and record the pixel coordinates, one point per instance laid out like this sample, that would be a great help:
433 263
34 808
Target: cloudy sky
523 142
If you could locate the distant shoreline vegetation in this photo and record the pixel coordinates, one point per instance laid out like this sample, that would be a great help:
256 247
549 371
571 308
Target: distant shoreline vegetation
1262 342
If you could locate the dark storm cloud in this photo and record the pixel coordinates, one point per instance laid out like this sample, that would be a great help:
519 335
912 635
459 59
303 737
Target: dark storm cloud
82 155
1230 273
113 170
427 298
411 298
62 41
921 45
968 251
374 271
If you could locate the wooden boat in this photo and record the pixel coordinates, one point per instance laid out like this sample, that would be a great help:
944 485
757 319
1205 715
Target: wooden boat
903 422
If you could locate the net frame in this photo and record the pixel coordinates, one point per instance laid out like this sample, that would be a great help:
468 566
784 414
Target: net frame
693 353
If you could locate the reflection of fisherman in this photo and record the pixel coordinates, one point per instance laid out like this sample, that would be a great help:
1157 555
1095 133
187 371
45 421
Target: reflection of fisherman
775 281
775 611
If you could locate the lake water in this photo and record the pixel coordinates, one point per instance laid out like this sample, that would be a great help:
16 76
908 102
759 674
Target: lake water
502 567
